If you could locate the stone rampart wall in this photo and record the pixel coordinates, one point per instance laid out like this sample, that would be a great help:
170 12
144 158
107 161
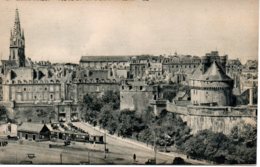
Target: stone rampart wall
217 119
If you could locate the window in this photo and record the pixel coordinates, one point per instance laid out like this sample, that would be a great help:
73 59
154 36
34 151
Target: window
24 89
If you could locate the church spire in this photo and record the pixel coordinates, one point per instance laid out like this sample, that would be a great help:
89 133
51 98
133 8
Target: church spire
17 42
17 27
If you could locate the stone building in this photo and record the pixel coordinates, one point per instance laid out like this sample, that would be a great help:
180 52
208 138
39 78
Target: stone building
29 85
211 103
104 62
213 87
211 57
136 95
233 70
138 66
175 63
32 85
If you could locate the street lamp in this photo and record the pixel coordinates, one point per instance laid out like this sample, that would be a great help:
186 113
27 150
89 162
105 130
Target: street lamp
105 145
155 148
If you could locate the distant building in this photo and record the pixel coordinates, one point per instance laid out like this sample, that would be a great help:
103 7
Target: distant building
136 95
33 131
103 62
142 80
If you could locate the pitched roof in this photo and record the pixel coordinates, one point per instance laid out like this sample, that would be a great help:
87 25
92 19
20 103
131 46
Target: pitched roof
197 73
104 58
31 127
214 73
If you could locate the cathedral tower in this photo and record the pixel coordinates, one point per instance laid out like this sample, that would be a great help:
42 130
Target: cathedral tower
17 43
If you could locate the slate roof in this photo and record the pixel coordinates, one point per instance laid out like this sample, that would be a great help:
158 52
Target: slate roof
31 127
104 58
215 73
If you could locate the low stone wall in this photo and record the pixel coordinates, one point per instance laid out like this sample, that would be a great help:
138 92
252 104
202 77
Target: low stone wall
35 113
217 119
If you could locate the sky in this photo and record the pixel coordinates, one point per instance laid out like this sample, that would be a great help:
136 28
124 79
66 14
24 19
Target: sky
61 31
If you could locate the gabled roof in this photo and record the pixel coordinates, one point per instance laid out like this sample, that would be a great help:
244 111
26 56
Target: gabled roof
31 127
215 73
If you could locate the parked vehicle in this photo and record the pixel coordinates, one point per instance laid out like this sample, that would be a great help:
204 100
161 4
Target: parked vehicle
178 161
151 162
66 142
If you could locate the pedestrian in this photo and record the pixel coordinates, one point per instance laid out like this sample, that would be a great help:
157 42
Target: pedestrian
134 157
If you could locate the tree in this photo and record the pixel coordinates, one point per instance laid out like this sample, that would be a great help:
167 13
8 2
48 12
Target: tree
105 115
237 148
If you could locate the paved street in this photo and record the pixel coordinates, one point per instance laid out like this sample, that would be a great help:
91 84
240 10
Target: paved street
120 152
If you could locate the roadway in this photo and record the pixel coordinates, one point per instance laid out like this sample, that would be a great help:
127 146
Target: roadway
120 151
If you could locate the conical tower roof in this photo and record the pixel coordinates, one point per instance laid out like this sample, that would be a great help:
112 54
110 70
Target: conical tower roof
215 73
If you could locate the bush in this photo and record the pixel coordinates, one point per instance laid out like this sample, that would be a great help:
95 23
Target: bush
237 148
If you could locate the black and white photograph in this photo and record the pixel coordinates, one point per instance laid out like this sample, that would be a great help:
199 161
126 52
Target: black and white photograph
129 82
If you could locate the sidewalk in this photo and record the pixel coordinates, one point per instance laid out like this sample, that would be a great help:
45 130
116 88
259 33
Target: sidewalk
145 146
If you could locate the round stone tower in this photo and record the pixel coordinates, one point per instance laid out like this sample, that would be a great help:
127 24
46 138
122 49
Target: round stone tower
212 88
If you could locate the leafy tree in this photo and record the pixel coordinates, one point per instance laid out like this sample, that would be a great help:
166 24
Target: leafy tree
111 97
105 115
237 148
129 123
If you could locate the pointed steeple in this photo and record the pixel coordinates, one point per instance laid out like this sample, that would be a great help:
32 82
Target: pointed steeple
17 43
17 27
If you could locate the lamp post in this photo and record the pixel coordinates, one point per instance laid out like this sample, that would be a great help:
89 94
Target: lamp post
88 158
61 158
105 147
155 148
154 141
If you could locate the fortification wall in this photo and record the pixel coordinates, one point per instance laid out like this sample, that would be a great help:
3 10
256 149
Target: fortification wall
221 97
135 100
217 119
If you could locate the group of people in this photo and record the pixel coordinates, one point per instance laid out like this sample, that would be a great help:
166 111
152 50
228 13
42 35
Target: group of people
3 143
